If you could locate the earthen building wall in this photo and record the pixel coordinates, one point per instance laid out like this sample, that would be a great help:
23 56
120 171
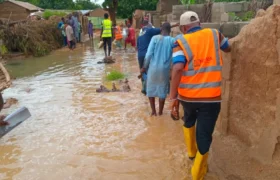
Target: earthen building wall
251 96
13 12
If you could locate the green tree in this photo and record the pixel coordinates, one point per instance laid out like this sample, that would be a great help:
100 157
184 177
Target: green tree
86 5
111 6
127 7
56 4
63 4
35 2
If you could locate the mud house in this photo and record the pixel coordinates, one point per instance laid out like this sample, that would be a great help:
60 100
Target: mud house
99 12
17 10
96 16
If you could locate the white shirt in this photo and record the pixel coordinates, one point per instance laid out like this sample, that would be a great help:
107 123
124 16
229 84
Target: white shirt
69 33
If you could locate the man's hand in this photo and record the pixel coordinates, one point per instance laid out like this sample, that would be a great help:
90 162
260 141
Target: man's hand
174 108
172 104
143 70
175 25
2 122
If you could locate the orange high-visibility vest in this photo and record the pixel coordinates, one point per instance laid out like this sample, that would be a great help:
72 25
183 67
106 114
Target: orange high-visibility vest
118 33
202 76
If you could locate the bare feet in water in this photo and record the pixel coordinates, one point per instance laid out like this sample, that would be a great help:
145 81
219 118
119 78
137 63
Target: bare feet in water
153 114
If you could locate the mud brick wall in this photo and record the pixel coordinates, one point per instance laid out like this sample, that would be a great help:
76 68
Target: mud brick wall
219 10
229 29
165 6
251 96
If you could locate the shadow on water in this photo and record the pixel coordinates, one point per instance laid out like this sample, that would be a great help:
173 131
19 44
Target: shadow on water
76 133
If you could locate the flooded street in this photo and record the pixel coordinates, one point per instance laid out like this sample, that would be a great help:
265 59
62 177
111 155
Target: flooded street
76 133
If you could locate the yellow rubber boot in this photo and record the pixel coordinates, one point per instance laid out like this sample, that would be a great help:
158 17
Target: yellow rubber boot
190 140
200 166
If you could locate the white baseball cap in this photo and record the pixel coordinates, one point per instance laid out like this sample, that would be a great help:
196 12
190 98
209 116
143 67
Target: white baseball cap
189 17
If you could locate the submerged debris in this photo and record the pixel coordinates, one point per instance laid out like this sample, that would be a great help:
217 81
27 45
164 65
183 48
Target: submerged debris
114 88
125 87
9 102
107 60
102 89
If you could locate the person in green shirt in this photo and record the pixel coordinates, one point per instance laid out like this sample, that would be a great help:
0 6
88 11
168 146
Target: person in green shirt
61 26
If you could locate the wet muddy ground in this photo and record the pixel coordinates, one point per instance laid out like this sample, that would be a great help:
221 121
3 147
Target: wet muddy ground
76 133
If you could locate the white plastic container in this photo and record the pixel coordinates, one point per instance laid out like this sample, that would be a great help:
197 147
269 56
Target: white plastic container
14 119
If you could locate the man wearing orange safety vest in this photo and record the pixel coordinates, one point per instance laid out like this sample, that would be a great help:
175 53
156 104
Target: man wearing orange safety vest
196 83
118 36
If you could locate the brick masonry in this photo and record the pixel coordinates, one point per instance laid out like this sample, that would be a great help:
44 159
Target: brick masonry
220 11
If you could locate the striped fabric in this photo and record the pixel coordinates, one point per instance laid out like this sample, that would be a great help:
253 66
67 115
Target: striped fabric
178 54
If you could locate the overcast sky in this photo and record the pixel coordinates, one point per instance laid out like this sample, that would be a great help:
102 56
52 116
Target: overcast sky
99 1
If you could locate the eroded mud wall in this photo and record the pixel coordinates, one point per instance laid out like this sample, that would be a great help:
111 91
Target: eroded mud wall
251 80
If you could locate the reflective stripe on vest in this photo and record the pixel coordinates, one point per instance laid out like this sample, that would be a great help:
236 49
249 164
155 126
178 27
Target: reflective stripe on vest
197 82
201 85
107 28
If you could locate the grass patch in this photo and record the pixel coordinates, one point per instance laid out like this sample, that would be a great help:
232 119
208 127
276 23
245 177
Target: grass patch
49 13
114 75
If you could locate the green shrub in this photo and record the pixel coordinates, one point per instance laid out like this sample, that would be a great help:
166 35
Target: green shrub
3 50
234 17
114 75
49 13
248 16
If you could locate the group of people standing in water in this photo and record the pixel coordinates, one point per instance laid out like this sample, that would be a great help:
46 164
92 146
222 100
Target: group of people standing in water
71 30
154 47
116 34
187 67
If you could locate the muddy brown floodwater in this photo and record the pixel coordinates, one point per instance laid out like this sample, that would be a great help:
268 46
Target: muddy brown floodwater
76 133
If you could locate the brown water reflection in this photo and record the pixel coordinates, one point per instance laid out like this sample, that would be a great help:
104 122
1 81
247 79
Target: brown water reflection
75 133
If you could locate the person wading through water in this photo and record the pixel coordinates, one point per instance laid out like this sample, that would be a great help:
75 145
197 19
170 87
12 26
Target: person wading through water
197 78
107 35
118 36
143 42
158 61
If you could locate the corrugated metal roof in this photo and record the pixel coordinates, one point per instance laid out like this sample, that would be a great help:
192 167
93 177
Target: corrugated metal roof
25 5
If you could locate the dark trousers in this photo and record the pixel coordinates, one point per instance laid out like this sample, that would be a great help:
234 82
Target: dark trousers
204 115
64 40
141 60
71 44
107 42
1 102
